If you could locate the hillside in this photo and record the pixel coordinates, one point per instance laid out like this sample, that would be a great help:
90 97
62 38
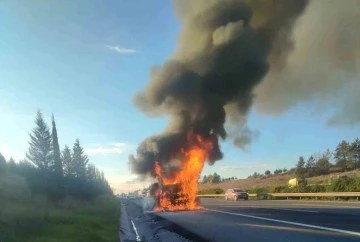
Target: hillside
275 180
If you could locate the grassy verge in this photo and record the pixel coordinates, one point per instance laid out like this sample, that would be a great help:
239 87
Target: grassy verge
38 220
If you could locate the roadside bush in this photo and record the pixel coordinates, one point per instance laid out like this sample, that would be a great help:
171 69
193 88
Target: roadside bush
328 188
317 188
14 188
346 184
258 190
312 188
211 191
281 189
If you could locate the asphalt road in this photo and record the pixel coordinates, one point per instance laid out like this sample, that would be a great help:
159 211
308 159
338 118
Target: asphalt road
268 220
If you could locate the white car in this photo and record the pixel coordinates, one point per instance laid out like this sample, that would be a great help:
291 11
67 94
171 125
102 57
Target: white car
236 194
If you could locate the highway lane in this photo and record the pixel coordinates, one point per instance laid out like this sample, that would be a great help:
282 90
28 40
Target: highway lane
271 220
352 208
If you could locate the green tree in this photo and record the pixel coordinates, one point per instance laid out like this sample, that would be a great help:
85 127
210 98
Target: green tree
255 175
355 148
303 185
278 171
3 165
57 164
215 178
204 180
67 162
322 166
79 159
11 164
344 157
310 166
285 170
300 168
267 172
40 144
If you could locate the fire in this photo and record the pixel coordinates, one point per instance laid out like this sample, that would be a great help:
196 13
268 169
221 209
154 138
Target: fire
184 183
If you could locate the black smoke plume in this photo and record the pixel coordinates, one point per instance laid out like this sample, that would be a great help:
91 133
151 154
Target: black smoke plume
323 69
223 53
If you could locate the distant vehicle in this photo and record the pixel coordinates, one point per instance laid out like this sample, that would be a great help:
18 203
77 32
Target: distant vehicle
131 197
236 194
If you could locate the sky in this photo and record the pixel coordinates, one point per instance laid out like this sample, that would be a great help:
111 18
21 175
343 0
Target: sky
84 60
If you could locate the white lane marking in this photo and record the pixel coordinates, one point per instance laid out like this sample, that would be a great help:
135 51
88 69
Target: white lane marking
288 222
296 210
136 232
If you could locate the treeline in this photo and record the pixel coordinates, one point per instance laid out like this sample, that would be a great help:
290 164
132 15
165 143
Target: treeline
345 157
268 173
216 178
54 173
342 184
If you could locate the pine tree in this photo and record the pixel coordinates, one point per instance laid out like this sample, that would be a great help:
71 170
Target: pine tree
67 162
11 164
57 164
79 159
323 165
57 169
3 165
205 179
310 166
355 147
344 156
40 144
300 168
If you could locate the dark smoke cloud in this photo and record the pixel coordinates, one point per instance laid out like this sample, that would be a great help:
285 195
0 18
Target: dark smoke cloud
222 55
322 69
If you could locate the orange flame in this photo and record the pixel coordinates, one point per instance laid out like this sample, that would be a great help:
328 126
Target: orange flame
186 178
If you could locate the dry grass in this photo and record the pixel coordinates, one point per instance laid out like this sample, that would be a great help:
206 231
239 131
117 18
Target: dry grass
275 180
327 179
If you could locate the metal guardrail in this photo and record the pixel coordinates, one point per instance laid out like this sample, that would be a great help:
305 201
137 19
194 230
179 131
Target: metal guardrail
296 195
222 195
211 195
317 194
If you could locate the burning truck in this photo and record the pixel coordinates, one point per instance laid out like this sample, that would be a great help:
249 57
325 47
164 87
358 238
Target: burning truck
172 197
177 186
172 193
